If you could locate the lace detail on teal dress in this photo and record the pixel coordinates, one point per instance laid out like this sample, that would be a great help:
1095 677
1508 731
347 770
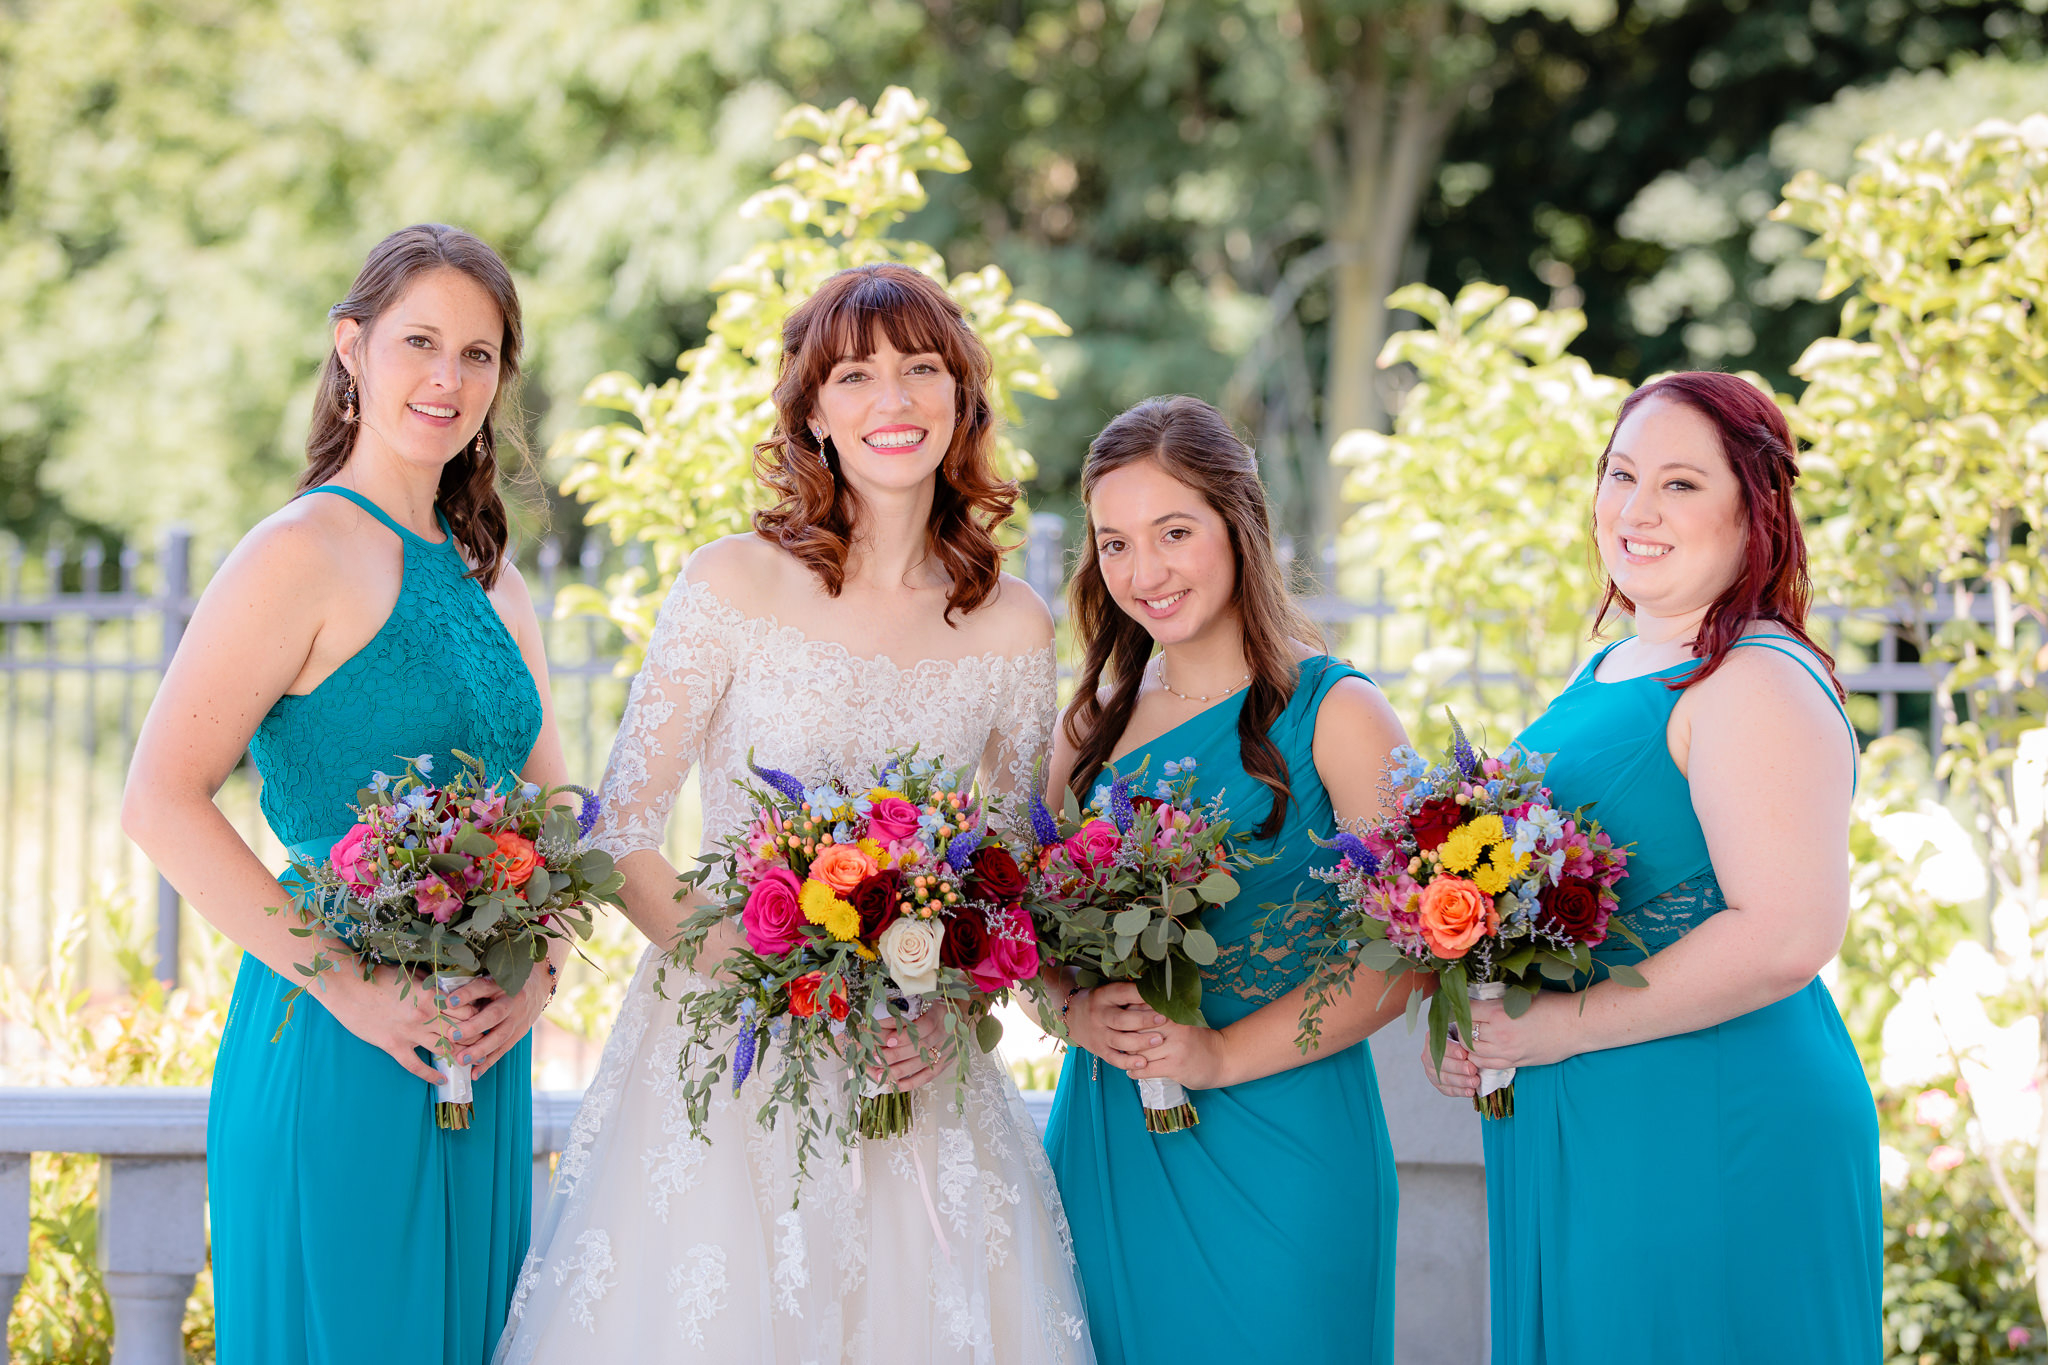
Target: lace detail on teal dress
441 673
1268 962
1663 920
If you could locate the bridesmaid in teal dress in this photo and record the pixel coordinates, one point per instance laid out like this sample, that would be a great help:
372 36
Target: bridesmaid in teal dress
1266 1231
371 621
1690 1174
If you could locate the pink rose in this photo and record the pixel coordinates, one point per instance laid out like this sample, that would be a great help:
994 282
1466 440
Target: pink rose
1094 845
1012 955
352 860
438 899
890 819
773 919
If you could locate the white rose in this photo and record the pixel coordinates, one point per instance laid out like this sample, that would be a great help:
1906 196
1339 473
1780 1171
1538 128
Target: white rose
910 949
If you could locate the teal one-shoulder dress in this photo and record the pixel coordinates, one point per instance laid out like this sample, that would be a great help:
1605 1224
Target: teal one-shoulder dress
347 1227
1705 1199
1266 1231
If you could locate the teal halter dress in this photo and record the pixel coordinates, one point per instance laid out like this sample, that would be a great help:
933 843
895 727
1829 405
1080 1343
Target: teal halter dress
1266 1231
347 1227
1705 1199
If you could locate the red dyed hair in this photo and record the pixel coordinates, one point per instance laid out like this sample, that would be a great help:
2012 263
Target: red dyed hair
1772 584
813 516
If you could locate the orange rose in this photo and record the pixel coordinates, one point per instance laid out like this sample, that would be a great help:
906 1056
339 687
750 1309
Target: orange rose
514 861
843 867
1455 915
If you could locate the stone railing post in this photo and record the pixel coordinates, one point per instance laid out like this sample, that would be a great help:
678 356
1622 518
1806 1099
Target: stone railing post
13 1235
152 1245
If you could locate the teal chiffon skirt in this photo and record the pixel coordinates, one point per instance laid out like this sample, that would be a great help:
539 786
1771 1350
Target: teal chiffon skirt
348 1228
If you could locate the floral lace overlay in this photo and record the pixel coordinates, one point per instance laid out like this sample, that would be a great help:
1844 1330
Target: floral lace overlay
1663 920
1268 962
947 1244
445 650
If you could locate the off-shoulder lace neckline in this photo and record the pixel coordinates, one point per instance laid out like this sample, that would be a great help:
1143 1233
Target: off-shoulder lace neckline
794 636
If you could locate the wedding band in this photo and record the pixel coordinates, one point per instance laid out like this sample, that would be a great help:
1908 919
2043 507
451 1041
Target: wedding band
1475 1033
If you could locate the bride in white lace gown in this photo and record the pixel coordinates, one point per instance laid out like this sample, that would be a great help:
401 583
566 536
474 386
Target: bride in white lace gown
947 1244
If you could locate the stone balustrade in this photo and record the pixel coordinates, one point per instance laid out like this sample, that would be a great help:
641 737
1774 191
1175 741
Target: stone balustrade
152 1200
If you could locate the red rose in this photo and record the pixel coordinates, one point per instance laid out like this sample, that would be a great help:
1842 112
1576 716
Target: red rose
1572 908
876 900
993 876
1434 820
803 996
966 941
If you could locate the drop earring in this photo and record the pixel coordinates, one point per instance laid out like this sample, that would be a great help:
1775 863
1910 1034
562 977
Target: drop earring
480 451
348 401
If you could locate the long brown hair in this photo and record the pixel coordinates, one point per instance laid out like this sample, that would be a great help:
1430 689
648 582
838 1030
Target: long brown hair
1772 584
468 495
813 516
1194 445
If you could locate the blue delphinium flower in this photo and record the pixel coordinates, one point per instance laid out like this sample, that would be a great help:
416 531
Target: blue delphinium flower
1162 789
842 833
1188 765
781 781
380 781
961 850
1349 845
593 806
1462 752
425 763
743 1050
1044 828
1099 798
1537 763
529 790
1172 768
1120 812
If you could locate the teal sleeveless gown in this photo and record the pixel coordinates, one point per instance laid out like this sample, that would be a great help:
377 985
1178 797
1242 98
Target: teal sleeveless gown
347 1227
1266 1231
1705 1199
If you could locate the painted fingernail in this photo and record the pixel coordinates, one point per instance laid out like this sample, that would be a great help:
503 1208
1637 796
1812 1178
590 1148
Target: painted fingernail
458 1035
465 1059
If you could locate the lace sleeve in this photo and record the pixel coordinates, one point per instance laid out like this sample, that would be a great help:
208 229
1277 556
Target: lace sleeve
689 666
1015 756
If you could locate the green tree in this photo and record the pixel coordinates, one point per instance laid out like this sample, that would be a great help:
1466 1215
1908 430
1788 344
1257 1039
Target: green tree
681 472
1929 420
1473 513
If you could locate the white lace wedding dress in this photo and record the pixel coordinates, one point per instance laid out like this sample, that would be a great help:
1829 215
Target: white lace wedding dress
945 1245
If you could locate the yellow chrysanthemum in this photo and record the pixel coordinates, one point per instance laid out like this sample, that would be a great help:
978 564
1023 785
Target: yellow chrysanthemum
1459 852
1489 829
875 851
821 906
1500 868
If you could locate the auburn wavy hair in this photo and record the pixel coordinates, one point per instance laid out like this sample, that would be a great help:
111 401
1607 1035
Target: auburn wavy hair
1772 583
813 517
468 495
1193 444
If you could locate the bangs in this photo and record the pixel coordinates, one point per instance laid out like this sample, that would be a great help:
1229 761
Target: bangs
877 304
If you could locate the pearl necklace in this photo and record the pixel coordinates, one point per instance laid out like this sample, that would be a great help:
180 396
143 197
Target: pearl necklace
1165 686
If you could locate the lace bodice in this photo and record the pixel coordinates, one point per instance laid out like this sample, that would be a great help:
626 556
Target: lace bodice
442 673
717 683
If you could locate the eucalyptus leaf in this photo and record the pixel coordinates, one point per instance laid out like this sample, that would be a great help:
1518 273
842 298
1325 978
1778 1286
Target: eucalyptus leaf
474 842
1153 941
1132 921
1626 975
1200 947
1217 888
988 1032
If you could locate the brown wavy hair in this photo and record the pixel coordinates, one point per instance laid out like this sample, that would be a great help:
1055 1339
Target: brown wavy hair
1772 584
1194 444
468 495
814 512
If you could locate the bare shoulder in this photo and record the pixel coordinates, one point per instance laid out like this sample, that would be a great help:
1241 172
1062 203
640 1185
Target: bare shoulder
1356 713
746 571
301 546
1759 684
1014 621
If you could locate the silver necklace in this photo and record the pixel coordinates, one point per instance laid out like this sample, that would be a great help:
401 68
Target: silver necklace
1165 686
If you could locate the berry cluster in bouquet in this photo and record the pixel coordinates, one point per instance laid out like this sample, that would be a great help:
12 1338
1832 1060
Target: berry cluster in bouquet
1121 886
453 881
1479 880
858 902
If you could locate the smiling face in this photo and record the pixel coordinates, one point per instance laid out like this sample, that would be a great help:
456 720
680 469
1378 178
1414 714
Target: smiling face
1669 516
888 414
427 369
1164 552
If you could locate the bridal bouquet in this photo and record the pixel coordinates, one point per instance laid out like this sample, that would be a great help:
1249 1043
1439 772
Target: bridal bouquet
453 881
1479 880
858 902
1122 886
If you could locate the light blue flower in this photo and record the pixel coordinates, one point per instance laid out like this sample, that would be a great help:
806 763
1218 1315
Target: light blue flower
1099 799
1164 789
380 781
1172 770
945 782
895 782
920 767
529 790
842 833
1537 763
860 805
425 763
1187 765
1493 788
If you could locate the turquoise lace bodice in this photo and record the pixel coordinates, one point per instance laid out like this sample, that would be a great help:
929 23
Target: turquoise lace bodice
442 673
1612 754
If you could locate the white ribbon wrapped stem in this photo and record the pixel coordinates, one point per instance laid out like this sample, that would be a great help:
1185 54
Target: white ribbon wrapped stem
1491 1080
455 1087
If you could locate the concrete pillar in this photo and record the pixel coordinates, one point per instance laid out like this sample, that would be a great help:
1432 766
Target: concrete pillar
13 1235
152 1245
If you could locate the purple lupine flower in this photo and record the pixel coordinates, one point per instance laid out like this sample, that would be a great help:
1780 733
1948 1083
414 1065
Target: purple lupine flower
743 1050
1462 752
781 781
1044 828
1351 846
1121 813
961 850
593 806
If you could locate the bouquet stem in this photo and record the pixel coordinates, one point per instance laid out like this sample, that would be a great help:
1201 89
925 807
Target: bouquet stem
1167 1109
1496 1097
885 1111
454 1095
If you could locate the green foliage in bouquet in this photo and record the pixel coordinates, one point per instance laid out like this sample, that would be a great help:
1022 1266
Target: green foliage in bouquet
1122 909
459 879
680 472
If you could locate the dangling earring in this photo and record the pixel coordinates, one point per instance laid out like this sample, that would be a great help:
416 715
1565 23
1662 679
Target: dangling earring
348 401
480 451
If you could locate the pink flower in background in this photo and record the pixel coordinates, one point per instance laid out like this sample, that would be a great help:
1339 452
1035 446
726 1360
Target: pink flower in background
1944 1158
488 808
352 860
438 899
1094 845
2016 1337
891 818
1934 1108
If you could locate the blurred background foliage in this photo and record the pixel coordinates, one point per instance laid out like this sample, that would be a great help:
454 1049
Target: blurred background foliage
1216 195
